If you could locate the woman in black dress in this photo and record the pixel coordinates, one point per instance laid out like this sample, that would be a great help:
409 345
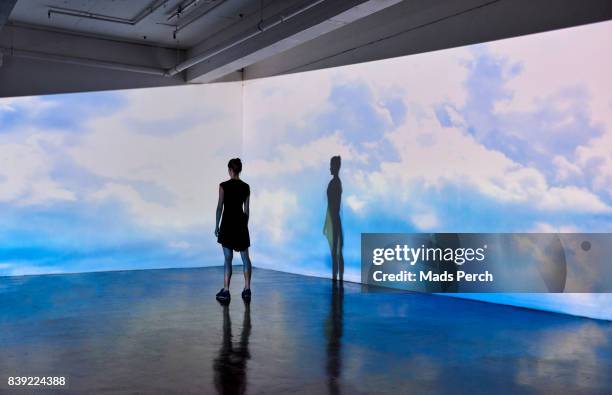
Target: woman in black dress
233 234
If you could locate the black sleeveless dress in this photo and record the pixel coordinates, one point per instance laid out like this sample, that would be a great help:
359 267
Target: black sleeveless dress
233 231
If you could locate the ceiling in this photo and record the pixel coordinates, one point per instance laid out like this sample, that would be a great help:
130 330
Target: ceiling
155 22
54 46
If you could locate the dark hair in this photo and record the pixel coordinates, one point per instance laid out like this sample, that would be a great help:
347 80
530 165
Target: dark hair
235 164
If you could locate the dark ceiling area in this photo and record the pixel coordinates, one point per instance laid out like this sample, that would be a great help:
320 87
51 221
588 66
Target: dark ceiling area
54 46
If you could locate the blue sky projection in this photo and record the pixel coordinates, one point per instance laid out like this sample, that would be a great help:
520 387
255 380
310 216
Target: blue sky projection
507 136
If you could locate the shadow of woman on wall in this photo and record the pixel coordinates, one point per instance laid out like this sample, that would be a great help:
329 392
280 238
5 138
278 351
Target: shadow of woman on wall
333 224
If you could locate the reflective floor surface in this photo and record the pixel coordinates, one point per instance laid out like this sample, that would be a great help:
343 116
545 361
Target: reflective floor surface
162 331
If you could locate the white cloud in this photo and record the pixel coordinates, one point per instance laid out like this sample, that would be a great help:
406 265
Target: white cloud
291 158
577 57
565 168
355 203
596 158
266 98
272 213
5 106
25 172
430 154
425 221
450 156
276 107
185 164
544 227
424 79
30 105
161 155
144 212
549 65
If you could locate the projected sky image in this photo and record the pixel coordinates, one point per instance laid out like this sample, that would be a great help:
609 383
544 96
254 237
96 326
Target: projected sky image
114 180
508 136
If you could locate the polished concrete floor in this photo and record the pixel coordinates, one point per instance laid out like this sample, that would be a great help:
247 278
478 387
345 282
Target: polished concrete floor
162 331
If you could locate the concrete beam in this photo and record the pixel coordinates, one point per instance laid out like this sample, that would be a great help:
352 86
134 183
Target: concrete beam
6 7
330 33
418 26
312 23
27 75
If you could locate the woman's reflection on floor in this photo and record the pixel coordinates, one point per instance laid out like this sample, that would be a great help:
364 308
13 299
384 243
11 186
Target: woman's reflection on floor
230 364
333 225
333 334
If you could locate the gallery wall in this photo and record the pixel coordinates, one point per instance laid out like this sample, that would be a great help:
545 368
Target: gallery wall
114 180
507 136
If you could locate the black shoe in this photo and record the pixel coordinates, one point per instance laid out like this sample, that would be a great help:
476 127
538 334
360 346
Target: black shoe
223 295
246 294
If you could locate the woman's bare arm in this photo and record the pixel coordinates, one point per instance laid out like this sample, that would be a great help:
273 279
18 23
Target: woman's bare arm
219 210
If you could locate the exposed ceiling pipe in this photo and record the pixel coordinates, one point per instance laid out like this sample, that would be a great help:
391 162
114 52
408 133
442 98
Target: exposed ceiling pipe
182 10
261 27
82 61
214 5
154 6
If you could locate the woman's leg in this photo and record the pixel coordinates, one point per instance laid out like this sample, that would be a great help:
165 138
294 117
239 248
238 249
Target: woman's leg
340 256
229 254
336 249
246 262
